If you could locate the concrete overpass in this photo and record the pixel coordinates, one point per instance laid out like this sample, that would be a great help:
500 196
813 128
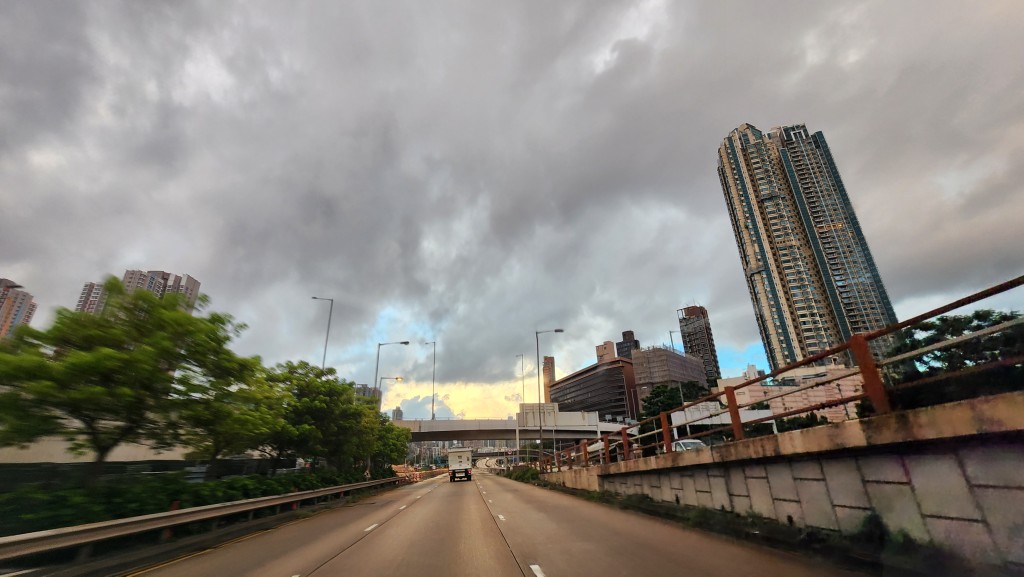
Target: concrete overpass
527 424
498 430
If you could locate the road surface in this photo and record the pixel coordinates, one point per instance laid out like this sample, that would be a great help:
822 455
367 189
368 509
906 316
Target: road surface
490 526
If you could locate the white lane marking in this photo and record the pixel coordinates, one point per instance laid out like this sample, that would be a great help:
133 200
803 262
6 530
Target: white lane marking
418 496
537 571
402 507
489 501
370 528
502 517
18 573
484 492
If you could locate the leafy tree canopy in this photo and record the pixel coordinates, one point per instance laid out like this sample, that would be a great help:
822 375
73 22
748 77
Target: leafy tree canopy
117 377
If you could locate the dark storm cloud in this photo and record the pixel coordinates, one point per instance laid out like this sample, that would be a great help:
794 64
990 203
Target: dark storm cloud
471 174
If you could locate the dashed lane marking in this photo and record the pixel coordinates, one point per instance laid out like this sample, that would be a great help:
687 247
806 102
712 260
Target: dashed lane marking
502 517
370 528
537 571
402 507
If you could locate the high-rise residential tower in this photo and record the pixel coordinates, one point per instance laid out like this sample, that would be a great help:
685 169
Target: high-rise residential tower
695 329
92 298
162 283
16 307
158 282
811 276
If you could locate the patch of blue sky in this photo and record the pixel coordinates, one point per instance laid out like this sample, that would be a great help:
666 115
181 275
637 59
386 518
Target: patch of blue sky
733 361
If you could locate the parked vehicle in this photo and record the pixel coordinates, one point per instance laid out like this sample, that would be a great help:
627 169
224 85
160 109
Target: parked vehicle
687 444
460 465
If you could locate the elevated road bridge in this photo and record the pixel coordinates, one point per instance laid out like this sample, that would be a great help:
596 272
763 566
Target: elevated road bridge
527 425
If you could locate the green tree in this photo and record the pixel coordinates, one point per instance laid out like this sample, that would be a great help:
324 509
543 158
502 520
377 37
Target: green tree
666 397
230 413
100 381
969 353
321 416
942 366
662 398
391 443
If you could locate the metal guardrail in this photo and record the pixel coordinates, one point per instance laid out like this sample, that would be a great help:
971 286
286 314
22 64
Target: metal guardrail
656 433
14 546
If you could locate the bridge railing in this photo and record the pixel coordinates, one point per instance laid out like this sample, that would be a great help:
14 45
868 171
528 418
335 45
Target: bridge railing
884 370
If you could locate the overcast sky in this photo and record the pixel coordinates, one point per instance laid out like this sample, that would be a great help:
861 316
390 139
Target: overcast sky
471 172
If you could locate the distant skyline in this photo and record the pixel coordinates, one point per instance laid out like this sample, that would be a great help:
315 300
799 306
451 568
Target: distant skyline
469 174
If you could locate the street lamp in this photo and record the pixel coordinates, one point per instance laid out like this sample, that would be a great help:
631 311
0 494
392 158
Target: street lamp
540 420
380 386
376 368
522 370
330 314
433 372
522 400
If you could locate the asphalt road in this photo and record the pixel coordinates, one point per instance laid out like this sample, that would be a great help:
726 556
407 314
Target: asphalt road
488 527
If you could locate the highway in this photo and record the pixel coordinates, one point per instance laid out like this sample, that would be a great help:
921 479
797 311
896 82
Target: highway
490 526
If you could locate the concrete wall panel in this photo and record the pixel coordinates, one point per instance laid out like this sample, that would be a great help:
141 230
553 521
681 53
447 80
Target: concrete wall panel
886 468
737 481
844 482
720 494
898 509
781 479
761 497
1004 511
816 505
940 487
994 465
970 538
807 470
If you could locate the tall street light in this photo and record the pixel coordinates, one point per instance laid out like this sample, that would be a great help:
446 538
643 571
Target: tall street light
522 371
433 372
522 400
540 420
376 368
380 385
323 364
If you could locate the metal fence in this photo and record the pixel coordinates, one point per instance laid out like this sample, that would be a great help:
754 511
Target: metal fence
885 373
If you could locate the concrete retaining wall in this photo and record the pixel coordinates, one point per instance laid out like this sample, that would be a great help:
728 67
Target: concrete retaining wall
963 492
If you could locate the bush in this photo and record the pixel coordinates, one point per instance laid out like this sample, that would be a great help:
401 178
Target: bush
524 474
35 508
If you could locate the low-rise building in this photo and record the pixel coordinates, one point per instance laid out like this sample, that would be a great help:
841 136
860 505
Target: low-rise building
607 388
845 382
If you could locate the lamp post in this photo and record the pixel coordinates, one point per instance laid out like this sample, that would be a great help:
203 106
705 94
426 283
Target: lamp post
380 385
376 368
433 372
522 400
540 411
330 313
522 370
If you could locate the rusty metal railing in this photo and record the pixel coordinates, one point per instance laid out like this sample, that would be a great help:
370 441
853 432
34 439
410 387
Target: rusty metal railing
878 383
